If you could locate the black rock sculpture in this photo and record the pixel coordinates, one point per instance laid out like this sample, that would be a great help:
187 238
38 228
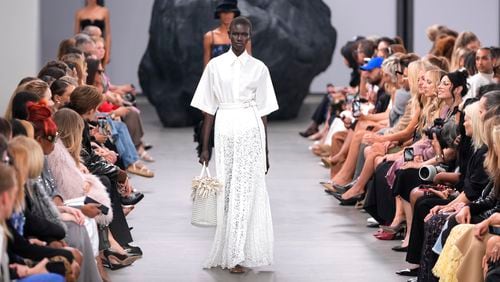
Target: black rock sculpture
294 38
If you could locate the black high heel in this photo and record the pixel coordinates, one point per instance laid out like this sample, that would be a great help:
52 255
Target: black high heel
351 201
114 260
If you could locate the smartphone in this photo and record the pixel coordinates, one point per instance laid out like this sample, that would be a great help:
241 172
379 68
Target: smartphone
408 154
103 208
101 124
494 229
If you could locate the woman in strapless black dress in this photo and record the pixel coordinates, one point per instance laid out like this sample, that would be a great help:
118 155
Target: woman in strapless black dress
94 13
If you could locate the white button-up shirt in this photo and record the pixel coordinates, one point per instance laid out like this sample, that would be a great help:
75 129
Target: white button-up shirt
235 79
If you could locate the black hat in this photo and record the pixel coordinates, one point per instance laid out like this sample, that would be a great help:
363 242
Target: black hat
227 6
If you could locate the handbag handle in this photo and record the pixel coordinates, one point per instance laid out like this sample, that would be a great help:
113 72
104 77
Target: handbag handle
204 169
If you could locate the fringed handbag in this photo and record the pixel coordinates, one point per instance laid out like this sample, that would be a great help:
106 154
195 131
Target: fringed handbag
204 195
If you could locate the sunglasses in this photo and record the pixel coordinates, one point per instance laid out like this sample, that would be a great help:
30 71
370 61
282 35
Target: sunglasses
52 138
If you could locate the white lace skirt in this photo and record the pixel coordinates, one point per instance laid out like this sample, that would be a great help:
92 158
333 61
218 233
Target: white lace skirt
244 233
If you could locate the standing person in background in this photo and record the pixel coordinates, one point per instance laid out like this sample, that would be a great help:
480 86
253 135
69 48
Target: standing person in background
239 88
216 41
94 13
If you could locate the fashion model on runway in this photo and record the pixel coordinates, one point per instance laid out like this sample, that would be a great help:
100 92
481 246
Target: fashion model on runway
239 89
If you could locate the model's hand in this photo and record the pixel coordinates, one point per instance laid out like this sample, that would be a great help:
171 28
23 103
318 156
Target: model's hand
204 157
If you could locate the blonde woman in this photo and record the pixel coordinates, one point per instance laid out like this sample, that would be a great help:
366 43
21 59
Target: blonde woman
411 73
75 181
28 161
389 77
464 256
8 189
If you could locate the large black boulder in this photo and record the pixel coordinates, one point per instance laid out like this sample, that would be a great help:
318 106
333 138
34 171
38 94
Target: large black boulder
294 38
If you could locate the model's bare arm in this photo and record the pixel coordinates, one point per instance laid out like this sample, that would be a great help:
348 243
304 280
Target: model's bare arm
208 123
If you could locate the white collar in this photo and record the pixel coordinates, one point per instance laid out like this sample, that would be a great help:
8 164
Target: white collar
243 58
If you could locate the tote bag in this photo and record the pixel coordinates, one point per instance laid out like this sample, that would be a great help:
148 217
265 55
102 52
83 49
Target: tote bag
204 196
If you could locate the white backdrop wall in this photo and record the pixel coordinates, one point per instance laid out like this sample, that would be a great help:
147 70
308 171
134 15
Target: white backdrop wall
20 47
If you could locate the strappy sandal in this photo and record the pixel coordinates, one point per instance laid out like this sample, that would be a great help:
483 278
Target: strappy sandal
140 170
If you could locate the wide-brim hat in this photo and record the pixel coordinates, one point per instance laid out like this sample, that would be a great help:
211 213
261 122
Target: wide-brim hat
227 6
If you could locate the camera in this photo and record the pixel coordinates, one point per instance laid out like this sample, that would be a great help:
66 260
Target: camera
428 172
436 128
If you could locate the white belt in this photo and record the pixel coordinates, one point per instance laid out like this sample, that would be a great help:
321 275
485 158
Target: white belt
243 105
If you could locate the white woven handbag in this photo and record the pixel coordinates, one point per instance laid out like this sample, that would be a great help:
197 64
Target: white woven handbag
204 195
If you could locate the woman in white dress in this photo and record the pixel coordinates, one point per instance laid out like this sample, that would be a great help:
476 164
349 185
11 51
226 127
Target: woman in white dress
239 88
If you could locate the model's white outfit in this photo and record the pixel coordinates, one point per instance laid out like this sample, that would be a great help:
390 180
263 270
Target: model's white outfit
240 90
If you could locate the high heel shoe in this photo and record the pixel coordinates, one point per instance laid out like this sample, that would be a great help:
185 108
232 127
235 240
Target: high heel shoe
388 235
114 260
326 162
346 186
393 229
308 132
351 201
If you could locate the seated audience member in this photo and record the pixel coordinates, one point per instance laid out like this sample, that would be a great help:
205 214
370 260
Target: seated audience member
484 75
61 91
23 151
85 100
92 31
8 190
65 46
45 190
467 39
85 44
464 254
434 32
128 138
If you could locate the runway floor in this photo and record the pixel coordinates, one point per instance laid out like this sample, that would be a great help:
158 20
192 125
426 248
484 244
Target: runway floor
315 238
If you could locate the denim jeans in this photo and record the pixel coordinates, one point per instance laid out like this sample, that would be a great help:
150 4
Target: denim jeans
123 142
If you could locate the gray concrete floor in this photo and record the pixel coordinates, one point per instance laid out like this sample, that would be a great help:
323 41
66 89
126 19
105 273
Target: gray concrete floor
315 238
